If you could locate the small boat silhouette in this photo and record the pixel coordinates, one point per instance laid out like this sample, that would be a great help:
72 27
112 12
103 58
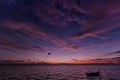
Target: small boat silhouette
93 74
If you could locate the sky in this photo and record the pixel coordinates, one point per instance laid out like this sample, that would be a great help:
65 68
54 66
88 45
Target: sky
60 31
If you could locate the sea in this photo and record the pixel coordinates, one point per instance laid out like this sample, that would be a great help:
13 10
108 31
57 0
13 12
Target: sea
59 72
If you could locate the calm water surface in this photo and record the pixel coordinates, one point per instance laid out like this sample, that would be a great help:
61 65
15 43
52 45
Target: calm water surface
57 72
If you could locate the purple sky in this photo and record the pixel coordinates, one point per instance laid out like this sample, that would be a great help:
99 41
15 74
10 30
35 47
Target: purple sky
69 30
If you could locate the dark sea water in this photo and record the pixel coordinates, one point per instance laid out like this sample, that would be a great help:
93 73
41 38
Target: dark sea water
58 72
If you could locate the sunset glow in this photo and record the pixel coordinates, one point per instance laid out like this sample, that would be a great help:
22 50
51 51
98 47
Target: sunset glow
60 31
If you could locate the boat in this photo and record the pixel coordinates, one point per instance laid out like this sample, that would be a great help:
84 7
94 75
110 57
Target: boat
93 74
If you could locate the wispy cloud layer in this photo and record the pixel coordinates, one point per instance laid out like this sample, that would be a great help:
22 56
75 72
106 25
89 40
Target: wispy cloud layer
39 26
26 31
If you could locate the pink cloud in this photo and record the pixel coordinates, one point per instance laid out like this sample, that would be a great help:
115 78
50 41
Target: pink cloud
33 32
10 43
75 47
26 30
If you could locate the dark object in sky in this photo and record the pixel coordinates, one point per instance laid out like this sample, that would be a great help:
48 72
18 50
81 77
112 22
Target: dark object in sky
93 74
49 53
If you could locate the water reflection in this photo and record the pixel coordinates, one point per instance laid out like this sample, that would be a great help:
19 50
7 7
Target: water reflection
58 72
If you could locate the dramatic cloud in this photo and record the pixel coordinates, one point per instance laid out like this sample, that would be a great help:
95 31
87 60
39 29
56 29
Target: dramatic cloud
59 26
104 20
32 31
26 31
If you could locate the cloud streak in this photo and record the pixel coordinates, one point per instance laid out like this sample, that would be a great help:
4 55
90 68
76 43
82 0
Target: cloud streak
9 45
76 47
27 31
115 60
113 53
40 26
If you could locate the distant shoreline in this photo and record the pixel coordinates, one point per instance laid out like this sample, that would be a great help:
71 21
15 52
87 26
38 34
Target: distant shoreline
56 64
